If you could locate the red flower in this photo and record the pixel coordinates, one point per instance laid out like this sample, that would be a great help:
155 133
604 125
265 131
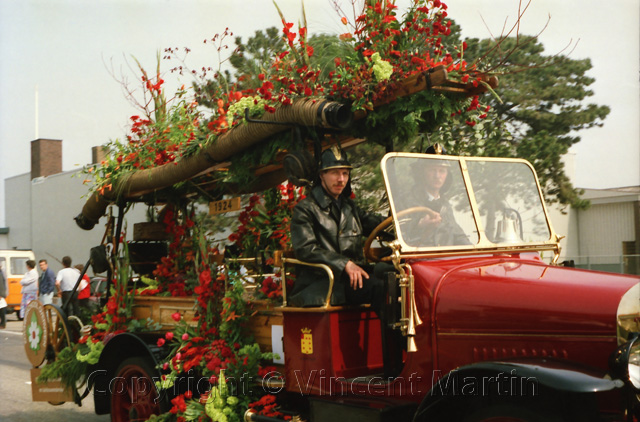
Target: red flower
176 316
205 276
160 342
179 405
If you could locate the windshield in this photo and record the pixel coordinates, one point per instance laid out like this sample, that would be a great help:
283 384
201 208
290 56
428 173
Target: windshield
464 203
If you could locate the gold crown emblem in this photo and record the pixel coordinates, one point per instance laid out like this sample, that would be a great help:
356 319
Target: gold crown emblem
306 330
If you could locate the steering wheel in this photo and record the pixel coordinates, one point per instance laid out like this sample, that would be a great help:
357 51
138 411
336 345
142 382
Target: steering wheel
385 224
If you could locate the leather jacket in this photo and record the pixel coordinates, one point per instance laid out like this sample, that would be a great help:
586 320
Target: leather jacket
318 236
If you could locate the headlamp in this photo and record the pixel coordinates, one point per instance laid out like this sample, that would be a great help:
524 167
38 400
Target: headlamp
625 362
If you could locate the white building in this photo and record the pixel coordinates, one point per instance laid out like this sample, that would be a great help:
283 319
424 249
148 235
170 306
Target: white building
40 207
606 236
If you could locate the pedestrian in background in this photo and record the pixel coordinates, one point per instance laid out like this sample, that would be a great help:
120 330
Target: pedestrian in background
65 282
29 286
47 283
4 292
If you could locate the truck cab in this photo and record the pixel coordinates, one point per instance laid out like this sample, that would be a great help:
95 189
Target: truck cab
481 321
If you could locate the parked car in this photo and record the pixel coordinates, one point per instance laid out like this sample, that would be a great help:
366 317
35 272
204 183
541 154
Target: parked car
98 292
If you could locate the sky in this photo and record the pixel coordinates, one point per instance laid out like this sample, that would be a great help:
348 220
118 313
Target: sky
77 56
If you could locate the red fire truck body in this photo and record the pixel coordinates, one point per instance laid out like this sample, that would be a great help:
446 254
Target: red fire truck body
480 328
500 330
535 323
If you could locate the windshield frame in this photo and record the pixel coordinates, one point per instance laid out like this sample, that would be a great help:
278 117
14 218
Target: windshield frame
484 245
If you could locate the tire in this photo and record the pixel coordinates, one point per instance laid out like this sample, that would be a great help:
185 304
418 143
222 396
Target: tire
509 413
134 396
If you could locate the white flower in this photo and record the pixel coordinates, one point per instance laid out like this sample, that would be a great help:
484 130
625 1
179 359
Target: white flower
34 335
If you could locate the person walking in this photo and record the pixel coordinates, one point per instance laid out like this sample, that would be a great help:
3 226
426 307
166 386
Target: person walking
47 282
4 292
29 286
65 282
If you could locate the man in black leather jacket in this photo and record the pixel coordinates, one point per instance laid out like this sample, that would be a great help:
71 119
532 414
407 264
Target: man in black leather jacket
328 228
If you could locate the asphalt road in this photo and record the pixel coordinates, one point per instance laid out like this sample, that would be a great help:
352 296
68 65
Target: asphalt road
15 386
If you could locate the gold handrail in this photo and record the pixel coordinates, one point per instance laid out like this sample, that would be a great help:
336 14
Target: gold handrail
308 264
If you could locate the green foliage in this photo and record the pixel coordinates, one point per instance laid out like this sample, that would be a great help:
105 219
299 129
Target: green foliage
234 314
254 57
366 177
541 108
67 367
327 48
221 406
92 354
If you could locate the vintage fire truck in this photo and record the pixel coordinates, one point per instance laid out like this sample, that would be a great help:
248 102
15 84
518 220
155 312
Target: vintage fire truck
477 326
480 322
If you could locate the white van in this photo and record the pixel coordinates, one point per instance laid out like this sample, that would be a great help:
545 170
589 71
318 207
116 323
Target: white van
13 265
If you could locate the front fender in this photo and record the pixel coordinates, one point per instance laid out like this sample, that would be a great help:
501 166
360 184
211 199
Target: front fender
511 379
116 350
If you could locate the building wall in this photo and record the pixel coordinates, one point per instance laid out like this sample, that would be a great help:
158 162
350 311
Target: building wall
18 211
48 228
604 227
56 200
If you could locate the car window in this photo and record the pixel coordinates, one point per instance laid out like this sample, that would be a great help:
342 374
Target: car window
98 286
18 265
3 266
465 203
412 180
509 202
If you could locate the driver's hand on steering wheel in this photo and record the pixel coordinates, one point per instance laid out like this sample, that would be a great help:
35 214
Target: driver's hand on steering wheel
430 221
356 273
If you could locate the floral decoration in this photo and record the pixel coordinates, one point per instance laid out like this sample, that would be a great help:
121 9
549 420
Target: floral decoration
264 222
217 349
382 51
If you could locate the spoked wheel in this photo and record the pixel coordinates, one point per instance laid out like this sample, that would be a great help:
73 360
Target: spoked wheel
134 396
59 333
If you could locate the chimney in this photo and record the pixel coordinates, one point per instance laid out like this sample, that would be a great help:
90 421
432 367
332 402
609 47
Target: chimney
46 157
98 154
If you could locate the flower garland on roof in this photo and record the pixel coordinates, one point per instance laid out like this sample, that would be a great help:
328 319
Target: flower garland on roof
384 50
